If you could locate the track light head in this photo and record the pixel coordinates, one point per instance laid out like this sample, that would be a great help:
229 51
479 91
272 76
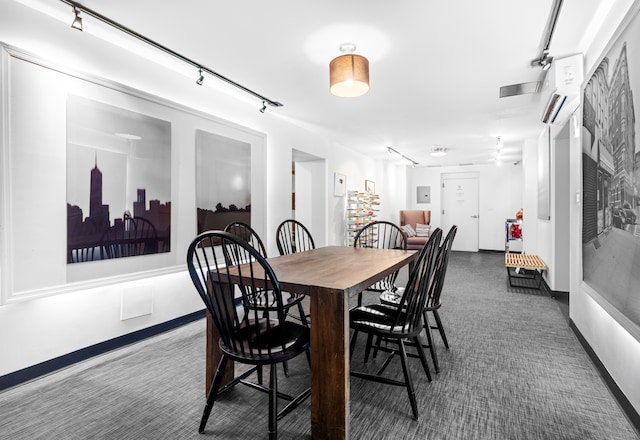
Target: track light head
264 107
201 79
544 61
77 21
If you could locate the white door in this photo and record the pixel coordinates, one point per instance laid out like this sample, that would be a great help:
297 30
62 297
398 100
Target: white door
460 207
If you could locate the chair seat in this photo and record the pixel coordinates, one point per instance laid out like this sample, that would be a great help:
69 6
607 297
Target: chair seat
380 317
274 342
392 297
265 300
382 286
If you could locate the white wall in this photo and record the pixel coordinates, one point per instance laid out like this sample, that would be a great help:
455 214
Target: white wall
392 188
311 187
560 199
497 201
530 197
48 327
549 238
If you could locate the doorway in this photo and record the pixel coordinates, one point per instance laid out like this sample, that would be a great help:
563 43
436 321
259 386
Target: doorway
309 194
460 207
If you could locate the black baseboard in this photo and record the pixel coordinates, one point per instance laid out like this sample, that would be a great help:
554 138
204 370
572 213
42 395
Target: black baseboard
47 367
629 410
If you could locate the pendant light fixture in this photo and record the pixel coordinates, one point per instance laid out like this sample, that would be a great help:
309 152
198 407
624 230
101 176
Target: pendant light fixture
349 73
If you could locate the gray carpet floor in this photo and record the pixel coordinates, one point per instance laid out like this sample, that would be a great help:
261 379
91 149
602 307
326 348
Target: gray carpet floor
514 371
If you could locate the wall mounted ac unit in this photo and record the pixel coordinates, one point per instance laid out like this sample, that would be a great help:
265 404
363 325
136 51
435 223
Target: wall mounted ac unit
561 89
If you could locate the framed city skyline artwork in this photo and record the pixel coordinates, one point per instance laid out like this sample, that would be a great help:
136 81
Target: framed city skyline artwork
87 180
118 182
611 178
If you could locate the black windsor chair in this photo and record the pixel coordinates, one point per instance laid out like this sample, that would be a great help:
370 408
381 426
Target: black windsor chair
400 322
292 236
433 301
246 334
264 299
381 235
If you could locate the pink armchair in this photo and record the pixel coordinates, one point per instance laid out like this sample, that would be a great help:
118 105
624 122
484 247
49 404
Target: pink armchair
414 217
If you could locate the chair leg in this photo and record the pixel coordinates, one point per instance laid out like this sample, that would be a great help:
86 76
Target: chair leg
430 341
423 357
303 316
441 328
367 349
213 392
273 403
359 299
407 379
377 347
352 344
259 374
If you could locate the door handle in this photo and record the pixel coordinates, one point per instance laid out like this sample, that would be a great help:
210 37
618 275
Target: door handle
474 216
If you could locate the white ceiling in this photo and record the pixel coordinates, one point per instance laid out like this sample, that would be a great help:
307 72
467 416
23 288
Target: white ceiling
435 66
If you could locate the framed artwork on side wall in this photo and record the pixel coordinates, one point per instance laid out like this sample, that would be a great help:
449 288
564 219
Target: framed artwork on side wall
223 181
370 186
610 153
339 184
118 182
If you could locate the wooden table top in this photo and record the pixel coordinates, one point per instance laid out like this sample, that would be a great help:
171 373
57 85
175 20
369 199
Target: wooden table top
343 268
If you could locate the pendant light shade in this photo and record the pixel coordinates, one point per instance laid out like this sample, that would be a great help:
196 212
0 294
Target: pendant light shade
349 75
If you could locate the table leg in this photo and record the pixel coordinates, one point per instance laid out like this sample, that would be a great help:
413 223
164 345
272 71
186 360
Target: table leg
329 364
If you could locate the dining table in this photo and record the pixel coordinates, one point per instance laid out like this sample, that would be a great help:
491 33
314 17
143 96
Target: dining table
329 276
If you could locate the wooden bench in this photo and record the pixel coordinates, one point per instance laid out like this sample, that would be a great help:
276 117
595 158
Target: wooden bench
522 268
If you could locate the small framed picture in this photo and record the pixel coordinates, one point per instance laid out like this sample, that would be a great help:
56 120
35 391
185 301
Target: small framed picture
370 186
339 185
424 194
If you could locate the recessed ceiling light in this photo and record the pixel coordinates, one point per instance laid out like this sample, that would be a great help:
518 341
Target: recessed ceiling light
438 151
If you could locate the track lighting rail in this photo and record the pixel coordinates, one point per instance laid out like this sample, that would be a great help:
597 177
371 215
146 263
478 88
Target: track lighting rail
412 162
201 68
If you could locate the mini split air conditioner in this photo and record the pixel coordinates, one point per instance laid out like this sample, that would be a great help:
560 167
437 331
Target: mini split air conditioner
561 89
